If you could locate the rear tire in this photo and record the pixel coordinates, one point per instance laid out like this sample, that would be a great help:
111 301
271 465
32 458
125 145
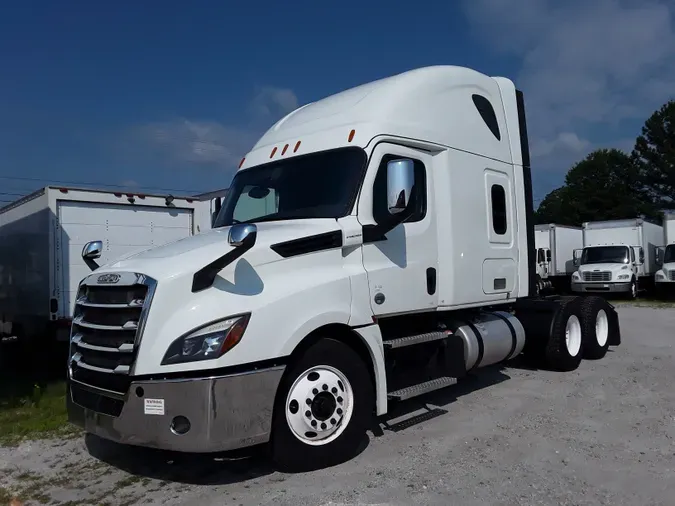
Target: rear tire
596 327
564 348
323 408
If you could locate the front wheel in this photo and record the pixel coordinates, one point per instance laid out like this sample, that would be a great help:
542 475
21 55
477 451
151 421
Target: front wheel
632 294
323 408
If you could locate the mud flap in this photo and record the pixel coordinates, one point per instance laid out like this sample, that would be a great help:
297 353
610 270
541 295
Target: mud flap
614 337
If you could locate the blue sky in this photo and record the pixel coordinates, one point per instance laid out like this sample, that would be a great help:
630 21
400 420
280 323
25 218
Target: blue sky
170 95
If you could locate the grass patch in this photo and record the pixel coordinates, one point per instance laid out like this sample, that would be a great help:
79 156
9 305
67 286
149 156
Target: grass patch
645 302
34 413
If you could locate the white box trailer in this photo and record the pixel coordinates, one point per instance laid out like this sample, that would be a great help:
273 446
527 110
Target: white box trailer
41 240
618 256
555 254
664 278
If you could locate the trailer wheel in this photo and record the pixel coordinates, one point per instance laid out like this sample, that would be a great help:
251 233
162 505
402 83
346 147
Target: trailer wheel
564 347
596 327
323 408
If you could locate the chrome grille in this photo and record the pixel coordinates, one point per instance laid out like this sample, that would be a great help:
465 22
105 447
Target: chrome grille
597 276
110 312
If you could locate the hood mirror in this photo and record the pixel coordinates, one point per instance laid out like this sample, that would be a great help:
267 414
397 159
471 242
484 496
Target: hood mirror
242 234
91 251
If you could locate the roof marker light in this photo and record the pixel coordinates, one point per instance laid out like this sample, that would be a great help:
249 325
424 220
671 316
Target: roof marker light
297 145
351 136
242 162
283 151
273 151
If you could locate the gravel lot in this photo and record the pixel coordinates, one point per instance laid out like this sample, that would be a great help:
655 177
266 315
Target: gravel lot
604 434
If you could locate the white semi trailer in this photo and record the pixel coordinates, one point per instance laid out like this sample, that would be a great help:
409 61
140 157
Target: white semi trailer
555 254
665 276
619 256
41 240
373 246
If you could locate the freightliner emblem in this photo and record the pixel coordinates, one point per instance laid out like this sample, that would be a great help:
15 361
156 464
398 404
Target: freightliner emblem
108 279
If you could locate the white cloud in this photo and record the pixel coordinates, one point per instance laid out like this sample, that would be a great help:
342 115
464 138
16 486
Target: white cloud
586 65
271 102
186 143
196 142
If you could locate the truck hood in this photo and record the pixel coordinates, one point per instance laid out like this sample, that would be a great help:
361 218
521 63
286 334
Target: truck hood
615 269
192 253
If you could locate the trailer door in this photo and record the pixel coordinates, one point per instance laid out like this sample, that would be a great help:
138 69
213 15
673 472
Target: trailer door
122 228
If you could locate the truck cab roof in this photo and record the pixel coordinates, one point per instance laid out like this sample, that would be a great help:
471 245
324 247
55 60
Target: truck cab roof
446 105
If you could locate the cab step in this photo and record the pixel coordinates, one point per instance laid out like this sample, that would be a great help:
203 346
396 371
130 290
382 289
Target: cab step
421 388
417 339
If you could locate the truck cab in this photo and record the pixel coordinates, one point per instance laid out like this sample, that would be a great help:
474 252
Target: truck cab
608 269
373 246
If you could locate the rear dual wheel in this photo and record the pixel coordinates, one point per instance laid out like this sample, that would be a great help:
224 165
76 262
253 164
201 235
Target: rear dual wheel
563 350
596 326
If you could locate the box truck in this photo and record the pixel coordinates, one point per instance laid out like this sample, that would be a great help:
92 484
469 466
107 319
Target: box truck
41 240
555 254
619 256
665 276
373 246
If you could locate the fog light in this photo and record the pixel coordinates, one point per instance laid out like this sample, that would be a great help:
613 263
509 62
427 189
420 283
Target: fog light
180 425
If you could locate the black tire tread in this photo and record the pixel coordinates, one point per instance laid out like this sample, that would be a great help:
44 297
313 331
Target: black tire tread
555 353
590 307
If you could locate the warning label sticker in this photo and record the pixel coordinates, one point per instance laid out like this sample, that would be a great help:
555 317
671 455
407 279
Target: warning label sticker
154 406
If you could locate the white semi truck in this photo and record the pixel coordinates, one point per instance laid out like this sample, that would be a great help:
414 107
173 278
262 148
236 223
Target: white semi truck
373 246
665 277
618 256
555 254
41 239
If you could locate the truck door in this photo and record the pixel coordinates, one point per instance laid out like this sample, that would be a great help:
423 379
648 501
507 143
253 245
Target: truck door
401 269
500 267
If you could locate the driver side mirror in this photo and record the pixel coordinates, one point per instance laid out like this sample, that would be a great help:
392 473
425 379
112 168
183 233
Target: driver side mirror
642 256
91 251
658 257
400 182
548 255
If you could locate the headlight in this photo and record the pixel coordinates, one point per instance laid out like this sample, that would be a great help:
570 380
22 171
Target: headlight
659 275
208 342
575 276
624 276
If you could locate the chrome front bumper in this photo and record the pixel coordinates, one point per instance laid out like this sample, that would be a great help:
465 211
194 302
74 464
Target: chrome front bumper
607 287
224 413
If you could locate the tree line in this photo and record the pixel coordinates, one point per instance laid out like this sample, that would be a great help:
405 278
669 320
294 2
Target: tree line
611 184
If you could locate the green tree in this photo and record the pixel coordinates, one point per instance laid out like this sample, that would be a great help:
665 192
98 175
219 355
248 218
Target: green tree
606 185
654 154
555 208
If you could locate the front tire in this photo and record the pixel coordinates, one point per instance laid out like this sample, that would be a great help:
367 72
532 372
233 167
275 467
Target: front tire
323 409
633 293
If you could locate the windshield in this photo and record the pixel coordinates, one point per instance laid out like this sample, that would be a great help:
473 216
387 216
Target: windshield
669 256
320 185
605 254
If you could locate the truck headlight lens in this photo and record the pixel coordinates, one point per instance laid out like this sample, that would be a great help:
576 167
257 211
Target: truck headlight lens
208 342
624 276
660 276
575 276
